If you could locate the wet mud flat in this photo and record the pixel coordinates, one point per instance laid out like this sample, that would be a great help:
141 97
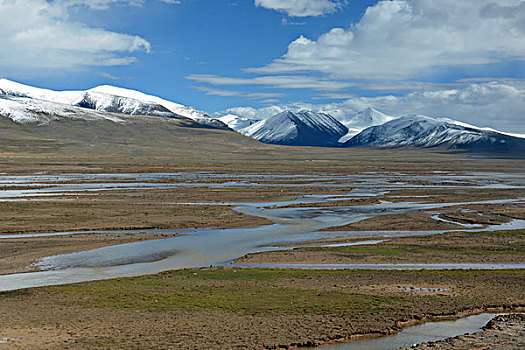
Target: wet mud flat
97 217
229 308
504 332
17 254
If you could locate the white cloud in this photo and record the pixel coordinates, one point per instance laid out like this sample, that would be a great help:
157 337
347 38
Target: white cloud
252 113
500 105
276 81
232 93
110 76
402 39
105 4
334 96
301 8
39 34
97 4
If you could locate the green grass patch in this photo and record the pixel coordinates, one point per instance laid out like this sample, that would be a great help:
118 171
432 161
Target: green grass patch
252 291
237 274
514 248
505 242
248 299
502 233
243 290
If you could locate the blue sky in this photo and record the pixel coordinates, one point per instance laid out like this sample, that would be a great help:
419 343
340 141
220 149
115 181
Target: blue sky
218 37
462 59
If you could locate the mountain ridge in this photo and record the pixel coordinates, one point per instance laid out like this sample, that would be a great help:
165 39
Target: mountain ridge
303 128
427 132
106 98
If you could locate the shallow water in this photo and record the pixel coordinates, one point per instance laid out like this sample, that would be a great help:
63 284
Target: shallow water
10 340
82 184
202 248
436 217
428 332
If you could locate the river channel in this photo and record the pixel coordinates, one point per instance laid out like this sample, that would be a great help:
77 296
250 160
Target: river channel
212 247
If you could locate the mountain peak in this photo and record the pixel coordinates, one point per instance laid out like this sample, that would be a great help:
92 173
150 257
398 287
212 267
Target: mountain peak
369 117
364 119
303 128
236 122
370 110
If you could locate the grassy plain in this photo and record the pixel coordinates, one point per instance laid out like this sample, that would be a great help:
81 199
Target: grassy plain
247 308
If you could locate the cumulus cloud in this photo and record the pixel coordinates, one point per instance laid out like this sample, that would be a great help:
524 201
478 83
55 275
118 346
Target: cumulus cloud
301 8
39 34
403 39
500 105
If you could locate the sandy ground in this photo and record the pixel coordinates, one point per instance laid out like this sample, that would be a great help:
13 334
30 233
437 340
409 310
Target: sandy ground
504 332
245 309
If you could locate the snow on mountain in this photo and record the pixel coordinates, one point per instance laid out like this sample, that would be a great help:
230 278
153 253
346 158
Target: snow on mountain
24 110
304 128
422 131
173 107
362 120
109 99
13 89
236 122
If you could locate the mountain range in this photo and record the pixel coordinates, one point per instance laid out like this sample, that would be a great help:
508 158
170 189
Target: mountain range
24 104
372 128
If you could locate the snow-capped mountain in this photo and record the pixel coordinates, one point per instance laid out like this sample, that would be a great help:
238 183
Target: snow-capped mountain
24 110
103 99
422 131
173 107
236 122
304 128
362 120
